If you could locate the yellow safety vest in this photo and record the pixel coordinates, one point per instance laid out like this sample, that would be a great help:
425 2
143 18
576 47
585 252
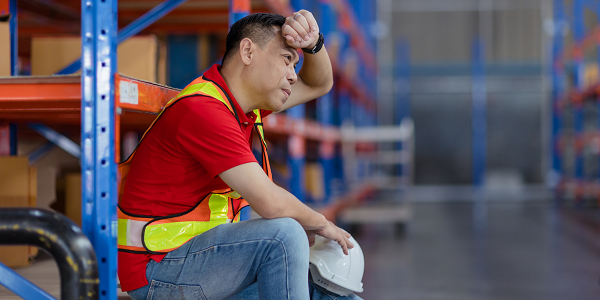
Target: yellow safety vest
158 235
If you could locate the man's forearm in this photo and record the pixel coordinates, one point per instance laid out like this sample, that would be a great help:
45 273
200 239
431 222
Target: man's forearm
316 70
269 200
287 205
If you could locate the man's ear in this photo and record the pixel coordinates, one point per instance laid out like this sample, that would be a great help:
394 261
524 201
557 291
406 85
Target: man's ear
246 51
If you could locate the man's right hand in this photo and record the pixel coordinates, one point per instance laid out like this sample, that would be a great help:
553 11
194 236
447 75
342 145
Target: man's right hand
334 233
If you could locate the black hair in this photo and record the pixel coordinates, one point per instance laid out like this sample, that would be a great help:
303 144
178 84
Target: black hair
257 27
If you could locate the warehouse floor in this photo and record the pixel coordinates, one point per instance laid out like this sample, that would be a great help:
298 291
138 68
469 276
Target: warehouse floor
462 251
517 250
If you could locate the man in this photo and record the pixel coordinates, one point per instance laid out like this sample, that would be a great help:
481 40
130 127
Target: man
197 149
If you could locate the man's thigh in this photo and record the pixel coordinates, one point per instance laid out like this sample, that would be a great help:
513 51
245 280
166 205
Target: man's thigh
220 262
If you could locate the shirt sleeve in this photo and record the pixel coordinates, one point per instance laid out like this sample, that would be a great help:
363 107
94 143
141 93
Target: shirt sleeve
210 133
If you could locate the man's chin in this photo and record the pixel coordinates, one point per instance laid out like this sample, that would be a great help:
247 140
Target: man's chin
278 108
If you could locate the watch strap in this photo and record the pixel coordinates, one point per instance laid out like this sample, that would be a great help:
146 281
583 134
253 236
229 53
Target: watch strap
317 47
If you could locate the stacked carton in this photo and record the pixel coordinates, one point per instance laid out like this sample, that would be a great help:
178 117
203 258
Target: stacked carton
138 57
4 49
18 188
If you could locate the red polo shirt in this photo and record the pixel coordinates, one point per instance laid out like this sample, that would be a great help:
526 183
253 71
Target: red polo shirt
179 161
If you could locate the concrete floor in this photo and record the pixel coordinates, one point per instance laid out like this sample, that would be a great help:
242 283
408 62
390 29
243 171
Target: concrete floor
518 250
462 251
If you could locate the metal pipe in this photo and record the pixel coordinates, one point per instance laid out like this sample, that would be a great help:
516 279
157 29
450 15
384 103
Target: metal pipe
579 30
479 123
557 91
14 41
61 238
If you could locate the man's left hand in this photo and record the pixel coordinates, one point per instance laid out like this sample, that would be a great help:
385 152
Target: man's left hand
301 30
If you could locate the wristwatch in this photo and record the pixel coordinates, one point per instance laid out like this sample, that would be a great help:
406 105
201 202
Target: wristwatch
317 47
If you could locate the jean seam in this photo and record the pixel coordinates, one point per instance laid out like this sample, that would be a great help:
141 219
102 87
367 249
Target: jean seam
213 246
150 290
287 277
179 288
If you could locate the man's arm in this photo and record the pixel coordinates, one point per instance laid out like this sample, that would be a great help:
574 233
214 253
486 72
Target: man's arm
315 78
271 201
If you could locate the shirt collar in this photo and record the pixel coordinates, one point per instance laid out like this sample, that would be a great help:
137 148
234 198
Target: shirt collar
214 75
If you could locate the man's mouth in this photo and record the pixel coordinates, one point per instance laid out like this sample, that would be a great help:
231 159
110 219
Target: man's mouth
287 93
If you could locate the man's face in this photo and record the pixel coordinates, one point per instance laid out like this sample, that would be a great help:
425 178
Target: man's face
273 73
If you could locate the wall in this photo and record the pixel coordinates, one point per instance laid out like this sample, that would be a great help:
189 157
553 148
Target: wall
440 35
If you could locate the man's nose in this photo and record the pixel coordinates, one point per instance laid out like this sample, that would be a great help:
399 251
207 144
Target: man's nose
292 76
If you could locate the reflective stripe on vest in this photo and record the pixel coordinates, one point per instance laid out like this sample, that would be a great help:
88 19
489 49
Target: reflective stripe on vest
150 234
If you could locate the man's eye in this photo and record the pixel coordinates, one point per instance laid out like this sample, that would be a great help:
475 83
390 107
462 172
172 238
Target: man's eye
288 57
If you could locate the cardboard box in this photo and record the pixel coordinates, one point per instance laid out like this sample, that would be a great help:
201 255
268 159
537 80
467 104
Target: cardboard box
51 54
137 57
315 181
4 49
16 256
18 188
73 197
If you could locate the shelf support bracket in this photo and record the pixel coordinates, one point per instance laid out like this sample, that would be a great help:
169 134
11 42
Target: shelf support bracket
21 286
58 139
39 152
132 29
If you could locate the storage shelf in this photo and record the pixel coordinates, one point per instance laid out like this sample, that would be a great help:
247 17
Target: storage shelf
192 17
575 51
57 100
577 97
580 141
311 130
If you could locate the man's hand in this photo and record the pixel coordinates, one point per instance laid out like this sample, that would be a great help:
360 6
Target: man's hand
301 30
332 232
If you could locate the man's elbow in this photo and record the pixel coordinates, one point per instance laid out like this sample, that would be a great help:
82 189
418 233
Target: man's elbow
325 88
270 207
271 213
328 86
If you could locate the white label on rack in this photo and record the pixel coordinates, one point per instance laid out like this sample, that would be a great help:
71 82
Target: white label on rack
129 92
124 91
133 93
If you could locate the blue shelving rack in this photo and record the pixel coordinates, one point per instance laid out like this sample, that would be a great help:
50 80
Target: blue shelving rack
99 84
100 36
573 93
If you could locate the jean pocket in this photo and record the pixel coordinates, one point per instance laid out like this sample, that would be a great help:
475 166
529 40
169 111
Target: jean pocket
167 291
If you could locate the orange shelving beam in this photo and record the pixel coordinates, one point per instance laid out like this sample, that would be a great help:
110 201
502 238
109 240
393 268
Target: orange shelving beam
57 100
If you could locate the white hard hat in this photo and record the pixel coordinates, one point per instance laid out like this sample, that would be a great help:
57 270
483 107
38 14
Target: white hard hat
331 269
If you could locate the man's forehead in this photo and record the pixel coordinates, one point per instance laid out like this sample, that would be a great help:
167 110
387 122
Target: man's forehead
282 44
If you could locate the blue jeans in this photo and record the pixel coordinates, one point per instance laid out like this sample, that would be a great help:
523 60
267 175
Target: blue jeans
266 259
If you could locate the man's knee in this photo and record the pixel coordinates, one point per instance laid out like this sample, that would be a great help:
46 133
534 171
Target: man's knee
291 233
